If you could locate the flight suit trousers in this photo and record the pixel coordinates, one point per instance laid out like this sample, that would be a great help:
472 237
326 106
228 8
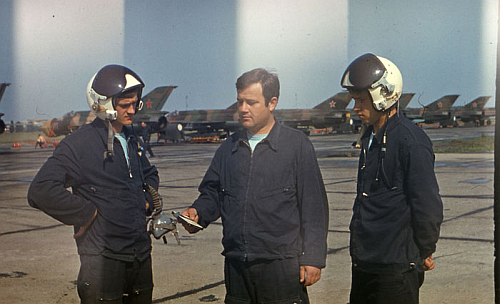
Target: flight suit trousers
264 281
105 280
386 288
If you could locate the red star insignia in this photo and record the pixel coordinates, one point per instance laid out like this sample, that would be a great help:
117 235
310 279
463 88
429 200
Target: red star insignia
440 104
474 105
332 104
149 104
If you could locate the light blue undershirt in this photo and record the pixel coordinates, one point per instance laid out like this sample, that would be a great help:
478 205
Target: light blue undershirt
371 139
123 141
253 140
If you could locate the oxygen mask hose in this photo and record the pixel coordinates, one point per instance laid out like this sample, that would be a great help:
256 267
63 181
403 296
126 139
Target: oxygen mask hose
157 201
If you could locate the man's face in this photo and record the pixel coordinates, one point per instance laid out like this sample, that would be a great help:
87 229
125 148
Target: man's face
254 115
364 108
125 108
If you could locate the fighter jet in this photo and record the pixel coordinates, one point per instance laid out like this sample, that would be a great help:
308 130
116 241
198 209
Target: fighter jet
438 111
206 122
329 113
3 86
151 114
473 112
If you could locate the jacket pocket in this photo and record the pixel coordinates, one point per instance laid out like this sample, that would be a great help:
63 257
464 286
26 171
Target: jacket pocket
285 191
230 204
124 209
279 209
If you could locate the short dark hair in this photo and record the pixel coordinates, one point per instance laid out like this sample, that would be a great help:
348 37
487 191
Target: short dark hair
269 81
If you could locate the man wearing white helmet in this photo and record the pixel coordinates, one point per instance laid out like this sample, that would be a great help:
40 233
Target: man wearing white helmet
398 211
107 205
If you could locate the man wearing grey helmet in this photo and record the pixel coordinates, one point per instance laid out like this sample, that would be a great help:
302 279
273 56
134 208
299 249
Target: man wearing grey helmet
398 211
107 204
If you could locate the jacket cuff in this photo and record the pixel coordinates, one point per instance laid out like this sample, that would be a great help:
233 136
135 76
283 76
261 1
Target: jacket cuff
201 215
304 261
425 254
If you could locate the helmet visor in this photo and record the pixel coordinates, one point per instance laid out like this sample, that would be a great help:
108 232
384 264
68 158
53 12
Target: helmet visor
363 72
112 80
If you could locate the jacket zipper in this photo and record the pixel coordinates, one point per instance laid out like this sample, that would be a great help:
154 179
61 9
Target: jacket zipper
246 200
128 159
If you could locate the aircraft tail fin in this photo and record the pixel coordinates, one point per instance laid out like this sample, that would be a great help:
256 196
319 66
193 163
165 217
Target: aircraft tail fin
404 100
3 86
155 100
443 103
337 102
234 107
478 103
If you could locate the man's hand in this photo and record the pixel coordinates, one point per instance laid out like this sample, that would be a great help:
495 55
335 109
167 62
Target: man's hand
309 275
429 264
82 229
193 215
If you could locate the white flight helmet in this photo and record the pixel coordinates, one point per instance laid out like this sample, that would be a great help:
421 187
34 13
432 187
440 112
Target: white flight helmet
108 83
379 76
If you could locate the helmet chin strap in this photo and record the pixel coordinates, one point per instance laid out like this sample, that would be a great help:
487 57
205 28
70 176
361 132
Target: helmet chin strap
111 135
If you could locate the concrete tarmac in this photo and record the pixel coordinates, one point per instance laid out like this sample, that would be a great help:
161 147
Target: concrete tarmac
39 262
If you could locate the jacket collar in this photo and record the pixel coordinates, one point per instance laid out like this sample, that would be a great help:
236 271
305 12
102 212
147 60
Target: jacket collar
272 139
389 125
101 127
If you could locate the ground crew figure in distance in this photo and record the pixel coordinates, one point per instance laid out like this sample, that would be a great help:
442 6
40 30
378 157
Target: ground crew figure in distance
265 184
146 137
107 173
398 211
41 141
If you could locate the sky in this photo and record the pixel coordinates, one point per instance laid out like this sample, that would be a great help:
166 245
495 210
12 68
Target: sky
50 49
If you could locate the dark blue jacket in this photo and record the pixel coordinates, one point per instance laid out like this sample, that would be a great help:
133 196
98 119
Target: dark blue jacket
108 185
396 220
272 202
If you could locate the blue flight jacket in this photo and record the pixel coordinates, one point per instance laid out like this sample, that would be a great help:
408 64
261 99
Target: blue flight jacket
397 217
108 185
272 201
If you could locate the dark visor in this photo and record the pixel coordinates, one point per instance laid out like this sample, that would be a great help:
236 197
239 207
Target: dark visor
111 80
365 71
